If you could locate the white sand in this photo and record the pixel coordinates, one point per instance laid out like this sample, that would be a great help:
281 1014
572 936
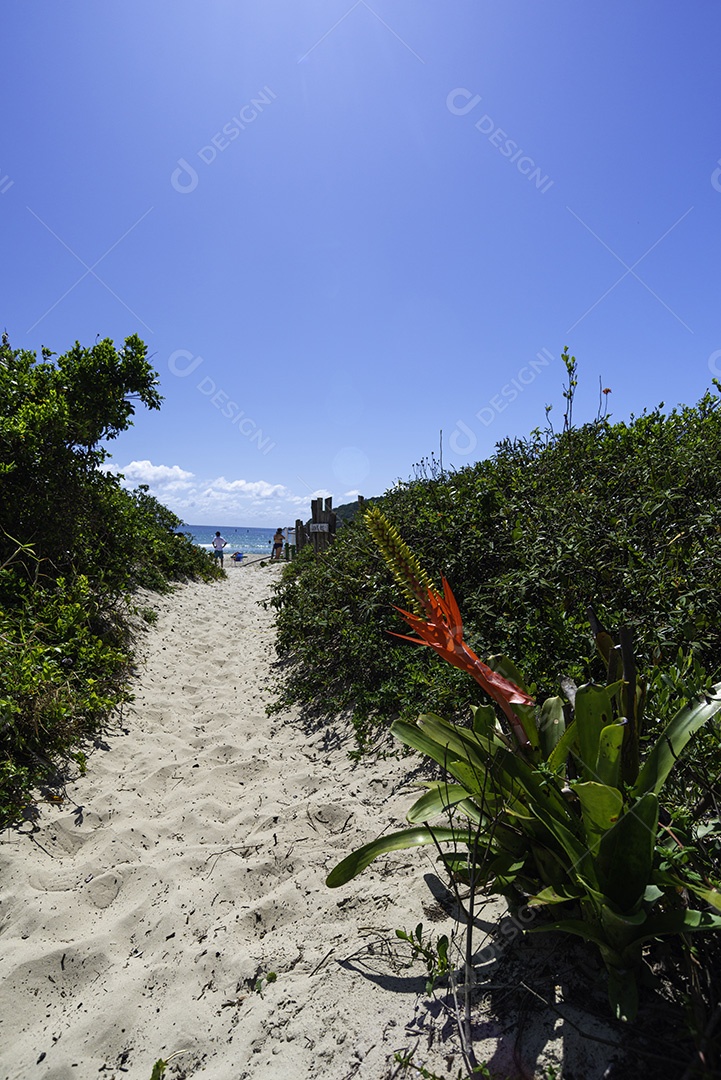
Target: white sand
189 860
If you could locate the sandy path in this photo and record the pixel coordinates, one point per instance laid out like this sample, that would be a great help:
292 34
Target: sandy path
189 861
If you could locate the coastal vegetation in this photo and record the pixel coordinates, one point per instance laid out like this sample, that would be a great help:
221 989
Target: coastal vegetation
75 547
582 784
624 517
550 809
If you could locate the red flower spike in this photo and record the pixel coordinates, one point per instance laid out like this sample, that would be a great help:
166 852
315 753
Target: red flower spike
443 631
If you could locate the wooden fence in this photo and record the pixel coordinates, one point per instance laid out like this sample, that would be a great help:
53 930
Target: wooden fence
320 530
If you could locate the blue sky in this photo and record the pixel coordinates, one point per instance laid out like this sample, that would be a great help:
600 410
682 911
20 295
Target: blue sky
344 227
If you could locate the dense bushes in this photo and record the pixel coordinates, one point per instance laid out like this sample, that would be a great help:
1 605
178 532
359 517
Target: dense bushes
73 547
625 517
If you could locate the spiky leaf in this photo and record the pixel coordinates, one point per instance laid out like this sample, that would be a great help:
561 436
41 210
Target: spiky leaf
362 857
672 741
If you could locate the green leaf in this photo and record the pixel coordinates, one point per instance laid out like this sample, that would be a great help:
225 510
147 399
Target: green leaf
504 869
552 724
712 896
485 794
526 713
468 745
443 742
412 736
621 929
358 860
457 864
679 922
605 645
527 717
625 855
622 993
439 800
500 663
440 746
549 896
559 755
485 721
610 744
511 769
579 864
552 865
672 741
601 808
578 927
593 712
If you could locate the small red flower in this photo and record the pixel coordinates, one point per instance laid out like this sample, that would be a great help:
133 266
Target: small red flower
442 630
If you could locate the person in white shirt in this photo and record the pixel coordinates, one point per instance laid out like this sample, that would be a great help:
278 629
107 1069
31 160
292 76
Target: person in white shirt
218 544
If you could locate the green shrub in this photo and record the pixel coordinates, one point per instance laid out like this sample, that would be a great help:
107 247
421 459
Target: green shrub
552 807
74 545
630 512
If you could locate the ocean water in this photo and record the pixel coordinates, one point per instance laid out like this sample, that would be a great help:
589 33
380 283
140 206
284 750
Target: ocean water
251 541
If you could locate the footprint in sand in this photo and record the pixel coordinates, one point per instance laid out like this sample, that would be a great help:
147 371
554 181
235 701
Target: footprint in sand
103 890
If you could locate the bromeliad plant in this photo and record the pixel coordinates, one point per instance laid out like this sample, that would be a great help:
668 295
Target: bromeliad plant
551 805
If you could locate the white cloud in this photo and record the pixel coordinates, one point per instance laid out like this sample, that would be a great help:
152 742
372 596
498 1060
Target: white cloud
249 487
178 485
305 500
147 473
198 500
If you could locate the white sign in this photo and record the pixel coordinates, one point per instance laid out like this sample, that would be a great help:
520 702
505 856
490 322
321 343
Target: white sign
322 527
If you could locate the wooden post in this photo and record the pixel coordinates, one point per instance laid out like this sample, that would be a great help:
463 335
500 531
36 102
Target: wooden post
331 519
321 530
322 526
